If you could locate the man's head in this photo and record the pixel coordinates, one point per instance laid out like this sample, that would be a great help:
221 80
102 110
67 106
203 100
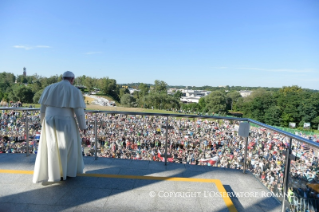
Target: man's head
68 75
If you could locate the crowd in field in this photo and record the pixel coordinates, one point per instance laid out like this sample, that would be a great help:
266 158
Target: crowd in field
189 141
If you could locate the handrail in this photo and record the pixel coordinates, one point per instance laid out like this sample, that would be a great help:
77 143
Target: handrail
19 108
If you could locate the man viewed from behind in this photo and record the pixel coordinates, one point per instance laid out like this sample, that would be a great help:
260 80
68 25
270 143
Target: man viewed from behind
59 154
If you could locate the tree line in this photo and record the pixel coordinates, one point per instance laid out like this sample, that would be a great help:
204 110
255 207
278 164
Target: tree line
26 89
155 97
273 106
277 107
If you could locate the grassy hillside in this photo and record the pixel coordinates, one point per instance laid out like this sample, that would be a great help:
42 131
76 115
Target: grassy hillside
109 108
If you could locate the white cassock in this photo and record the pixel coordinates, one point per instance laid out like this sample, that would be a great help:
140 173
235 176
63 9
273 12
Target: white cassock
59 154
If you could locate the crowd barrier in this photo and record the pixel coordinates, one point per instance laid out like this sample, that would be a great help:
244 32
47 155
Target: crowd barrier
193 139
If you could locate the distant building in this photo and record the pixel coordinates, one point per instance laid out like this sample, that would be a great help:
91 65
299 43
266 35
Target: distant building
191 96
132 90
171 91
195 93
189 99
24 72
245 93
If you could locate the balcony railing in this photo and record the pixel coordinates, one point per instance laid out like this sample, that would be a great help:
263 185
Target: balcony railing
200 140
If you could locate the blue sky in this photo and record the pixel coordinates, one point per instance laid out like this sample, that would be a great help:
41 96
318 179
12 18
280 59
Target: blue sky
267 43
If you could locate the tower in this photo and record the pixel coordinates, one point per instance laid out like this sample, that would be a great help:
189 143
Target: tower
24 72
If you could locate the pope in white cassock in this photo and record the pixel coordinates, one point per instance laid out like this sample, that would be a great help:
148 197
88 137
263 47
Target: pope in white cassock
59 154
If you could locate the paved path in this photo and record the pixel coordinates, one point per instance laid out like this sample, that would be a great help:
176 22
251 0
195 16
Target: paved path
130 185
100 100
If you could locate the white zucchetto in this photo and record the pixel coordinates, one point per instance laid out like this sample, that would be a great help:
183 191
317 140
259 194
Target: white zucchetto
68 74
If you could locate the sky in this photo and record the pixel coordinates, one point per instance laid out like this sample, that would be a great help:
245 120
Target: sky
266 43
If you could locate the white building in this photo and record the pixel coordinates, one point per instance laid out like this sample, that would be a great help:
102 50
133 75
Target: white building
171 91
132 90
245 93
191 96
190 99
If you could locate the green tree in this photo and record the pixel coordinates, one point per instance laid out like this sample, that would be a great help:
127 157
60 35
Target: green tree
160 86
1 95
22 79
53 79
23 94
216 102
191 107
128 100
307 110
36 86
289 100
136 95
144 89
272 116
178 95
315 104
285 119
6 81
260 105
5 97
109 87
80 80
7 77
36 77
45 81
89 84
37 96
255 105
30 79
123 91
202 104
315 122
232 98
5 86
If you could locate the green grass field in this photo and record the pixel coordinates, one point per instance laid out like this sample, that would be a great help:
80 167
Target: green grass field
109 108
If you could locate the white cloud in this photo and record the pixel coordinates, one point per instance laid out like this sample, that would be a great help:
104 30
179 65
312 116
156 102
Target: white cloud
22 47
25 47
43 46
93 52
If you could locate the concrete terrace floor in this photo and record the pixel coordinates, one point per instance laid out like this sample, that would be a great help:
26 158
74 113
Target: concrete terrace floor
121 185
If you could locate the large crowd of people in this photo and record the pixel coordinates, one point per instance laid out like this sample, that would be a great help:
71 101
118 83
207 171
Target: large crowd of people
189 141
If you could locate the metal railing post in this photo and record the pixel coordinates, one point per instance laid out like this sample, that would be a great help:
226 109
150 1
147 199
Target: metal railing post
95 131
245 156
166 140
27 132
287 170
